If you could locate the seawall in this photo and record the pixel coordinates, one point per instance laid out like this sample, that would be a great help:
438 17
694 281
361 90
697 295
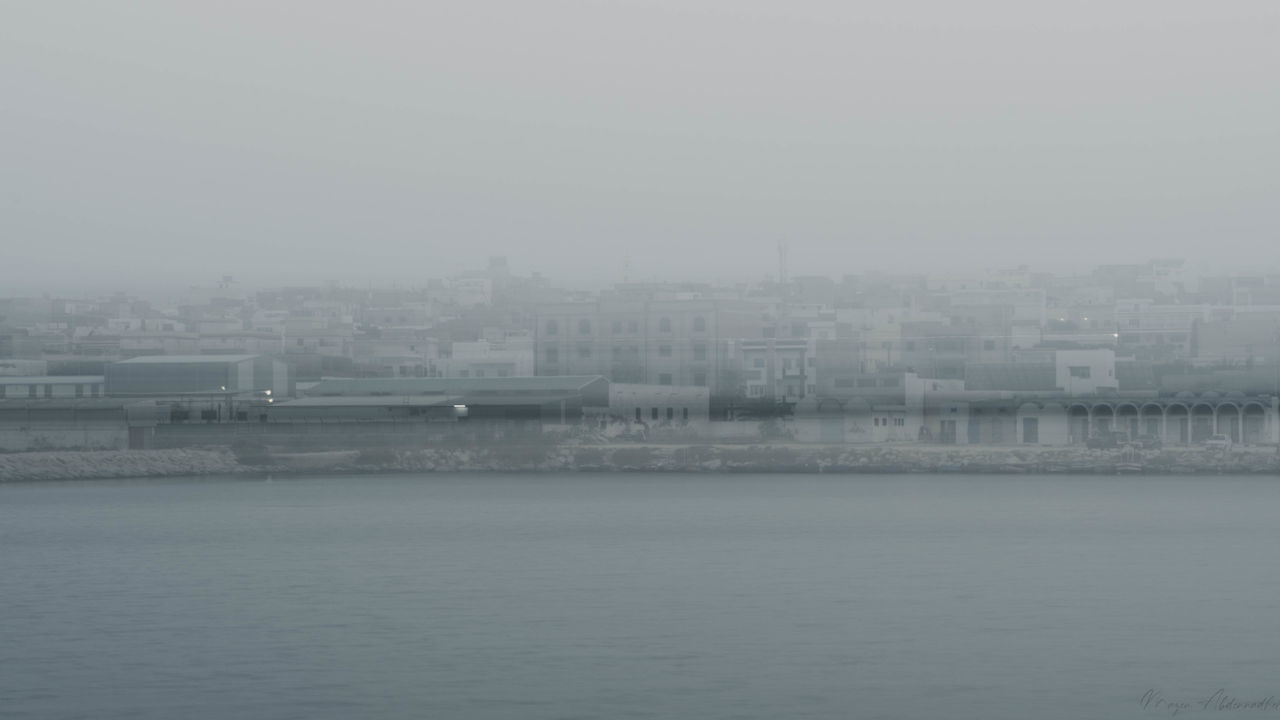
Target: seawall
638 458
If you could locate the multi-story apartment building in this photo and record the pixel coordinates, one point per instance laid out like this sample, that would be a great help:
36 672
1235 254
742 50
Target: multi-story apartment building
657 342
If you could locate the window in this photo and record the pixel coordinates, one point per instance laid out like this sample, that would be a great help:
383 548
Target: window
617 352
699 352
768 332
684 415
700 379
664 379
1080 371
653 414
584 327
553 327
31 391
699 324
664 350
797 330
866 382
844 382
638 418
553 355
664 325
758 362
479 373
584 351
671 414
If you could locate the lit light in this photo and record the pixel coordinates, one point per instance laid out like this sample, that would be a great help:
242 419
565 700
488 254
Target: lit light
268 392
271 400
224 387
1115 335
459 407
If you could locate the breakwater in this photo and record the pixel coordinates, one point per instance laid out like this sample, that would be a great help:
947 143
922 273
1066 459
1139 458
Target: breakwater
778 458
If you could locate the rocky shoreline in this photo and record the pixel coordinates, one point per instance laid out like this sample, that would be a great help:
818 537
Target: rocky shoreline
774 458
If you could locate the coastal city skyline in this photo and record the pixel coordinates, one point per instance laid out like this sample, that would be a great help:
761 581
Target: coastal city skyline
723 359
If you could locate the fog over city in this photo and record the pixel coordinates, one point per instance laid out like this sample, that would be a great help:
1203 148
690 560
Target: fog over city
159 146
544 359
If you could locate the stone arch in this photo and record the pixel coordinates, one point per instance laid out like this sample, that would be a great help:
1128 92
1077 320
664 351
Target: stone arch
1103 418
1078 427
1177 423
1228 420
1151 419
1126 419
1203 417
1256 429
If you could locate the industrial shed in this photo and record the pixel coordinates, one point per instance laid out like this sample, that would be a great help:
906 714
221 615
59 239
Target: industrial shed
171 375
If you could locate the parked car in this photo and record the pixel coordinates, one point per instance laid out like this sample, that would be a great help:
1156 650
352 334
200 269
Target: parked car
1218 442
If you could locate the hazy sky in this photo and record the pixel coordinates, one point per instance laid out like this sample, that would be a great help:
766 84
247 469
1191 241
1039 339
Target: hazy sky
171 143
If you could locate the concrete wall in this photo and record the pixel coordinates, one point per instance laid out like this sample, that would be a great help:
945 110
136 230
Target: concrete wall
64 436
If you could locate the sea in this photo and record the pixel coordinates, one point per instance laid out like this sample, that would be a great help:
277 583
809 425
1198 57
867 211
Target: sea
631 595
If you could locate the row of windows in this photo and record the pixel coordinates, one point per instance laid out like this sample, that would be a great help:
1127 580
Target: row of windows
32 391
653 414
699 378
884 422
632 326
866 382
585 352
787 363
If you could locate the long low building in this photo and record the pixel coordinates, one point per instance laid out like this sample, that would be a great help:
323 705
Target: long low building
195 375
76 423
51 386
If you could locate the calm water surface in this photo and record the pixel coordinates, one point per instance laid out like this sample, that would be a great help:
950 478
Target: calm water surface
639 596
